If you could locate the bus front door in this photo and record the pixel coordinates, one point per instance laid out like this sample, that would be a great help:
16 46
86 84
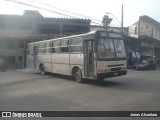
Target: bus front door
35 55
88 58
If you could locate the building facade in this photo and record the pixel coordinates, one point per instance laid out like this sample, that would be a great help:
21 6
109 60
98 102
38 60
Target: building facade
18 30
146 33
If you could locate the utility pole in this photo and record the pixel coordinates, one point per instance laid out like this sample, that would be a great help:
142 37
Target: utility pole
121 23
122 20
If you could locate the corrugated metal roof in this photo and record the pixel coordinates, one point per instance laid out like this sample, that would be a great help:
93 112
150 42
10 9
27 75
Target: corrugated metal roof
45 20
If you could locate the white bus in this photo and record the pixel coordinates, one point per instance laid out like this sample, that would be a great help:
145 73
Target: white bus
94 55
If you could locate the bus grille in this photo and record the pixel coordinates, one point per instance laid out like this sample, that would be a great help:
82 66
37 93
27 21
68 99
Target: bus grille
116 69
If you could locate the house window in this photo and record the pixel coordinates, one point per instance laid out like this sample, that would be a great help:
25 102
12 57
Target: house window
146 26
156 33
135 30
152 32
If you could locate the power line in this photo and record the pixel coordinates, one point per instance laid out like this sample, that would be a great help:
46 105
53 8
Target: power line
146 11
23 3
74 13
77 14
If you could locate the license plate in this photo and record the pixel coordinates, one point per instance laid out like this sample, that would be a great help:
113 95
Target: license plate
115 73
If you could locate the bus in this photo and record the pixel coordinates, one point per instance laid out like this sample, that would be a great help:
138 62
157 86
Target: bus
95 55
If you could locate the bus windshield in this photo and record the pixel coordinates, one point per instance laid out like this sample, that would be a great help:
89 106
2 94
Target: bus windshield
111 48
119 48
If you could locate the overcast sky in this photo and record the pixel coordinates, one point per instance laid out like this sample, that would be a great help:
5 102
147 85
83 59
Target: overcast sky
90 8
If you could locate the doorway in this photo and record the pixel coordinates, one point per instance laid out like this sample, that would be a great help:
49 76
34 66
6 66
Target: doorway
88 58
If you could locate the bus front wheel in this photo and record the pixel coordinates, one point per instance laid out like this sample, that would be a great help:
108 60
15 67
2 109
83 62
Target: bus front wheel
42 70
78 76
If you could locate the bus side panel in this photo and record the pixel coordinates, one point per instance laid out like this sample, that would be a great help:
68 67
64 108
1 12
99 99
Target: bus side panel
60 63
77 60
45 59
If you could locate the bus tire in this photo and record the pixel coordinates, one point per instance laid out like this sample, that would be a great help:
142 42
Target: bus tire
42 69
78 76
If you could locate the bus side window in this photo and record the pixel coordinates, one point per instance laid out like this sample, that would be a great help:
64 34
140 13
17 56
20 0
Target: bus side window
76 45
45 49
55 46
38 50
51 45
64 45
48 47
41 48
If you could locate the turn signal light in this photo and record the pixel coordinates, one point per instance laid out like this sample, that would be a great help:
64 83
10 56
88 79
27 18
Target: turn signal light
100 70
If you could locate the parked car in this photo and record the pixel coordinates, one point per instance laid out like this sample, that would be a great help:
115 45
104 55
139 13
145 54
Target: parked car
2 65
146 65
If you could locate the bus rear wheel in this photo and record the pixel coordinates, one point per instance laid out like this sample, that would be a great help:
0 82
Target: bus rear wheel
42 70
78 76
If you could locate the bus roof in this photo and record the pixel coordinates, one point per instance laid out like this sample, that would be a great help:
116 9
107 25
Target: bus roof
79 35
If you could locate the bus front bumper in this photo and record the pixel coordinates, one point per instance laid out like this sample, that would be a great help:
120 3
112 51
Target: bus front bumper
111 74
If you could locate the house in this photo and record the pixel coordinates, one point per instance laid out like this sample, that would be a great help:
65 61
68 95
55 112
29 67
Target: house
18 30
146 34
